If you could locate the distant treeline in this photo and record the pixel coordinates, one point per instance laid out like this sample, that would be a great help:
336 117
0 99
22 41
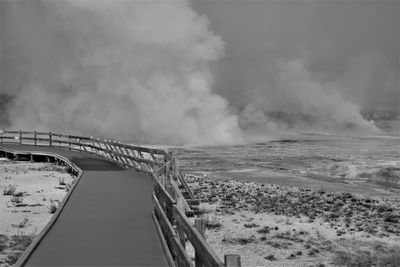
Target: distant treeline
292 117
380 115
295 117
5 101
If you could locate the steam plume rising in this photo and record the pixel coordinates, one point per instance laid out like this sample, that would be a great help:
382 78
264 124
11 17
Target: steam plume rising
133 70
141 70
307 65
295 92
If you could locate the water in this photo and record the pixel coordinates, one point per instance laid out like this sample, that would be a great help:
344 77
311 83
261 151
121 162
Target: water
368 164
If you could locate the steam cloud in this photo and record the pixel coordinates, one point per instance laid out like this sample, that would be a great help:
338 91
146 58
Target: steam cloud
133 70
141 71
295 92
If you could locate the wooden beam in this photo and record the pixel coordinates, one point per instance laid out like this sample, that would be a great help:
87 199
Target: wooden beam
181 235
166 249
180 200
50 139
141 160
163 220
185 185
177 250
165 198
202 248
200 225
167 169
232 260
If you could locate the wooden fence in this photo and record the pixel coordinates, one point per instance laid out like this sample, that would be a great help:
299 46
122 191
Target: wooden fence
173 199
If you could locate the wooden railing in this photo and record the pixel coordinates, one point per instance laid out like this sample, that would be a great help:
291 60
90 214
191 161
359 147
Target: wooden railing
173 199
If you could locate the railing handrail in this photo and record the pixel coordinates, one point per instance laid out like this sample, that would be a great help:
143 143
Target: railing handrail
170 205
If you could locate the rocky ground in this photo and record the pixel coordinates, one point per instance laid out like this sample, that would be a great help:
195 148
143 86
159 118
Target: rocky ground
271 225
29 195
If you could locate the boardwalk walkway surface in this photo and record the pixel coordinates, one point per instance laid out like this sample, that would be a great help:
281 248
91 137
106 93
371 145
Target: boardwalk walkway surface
106 221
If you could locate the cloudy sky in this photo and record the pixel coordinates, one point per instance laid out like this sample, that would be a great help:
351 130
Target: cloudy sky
353 45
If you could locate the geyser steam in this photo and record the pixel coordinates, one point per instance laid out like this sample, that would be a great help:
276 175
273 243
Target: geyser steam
315 106
140 71
133 70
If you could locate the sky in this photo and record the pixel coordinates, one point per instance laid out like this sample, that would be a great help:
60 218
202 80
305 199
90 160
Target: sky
353 45
198 72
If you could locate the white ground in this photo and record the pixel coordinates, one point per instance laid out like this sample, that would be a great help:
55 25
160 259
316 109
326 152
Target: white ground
304 237
290 240
39 185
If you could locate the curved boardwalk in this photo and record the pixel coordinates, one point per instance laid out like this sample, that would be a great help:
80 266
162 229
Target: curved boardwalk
106 221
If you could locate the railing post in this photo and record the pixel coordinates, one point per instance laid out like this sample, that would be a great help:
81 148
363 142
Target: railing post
167 172
169 211
181 235
232 260
34 137
20 137
50 139
176 170
69 142
170 189
200 225
1 136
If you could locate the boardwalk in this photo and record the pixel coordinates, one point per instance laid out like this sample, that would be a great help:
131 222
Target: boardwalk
106 221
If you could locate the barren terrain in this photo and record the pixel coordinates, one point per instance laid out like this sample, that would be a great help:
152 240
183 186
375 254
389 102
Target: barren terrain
272 225
29 195
301 200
